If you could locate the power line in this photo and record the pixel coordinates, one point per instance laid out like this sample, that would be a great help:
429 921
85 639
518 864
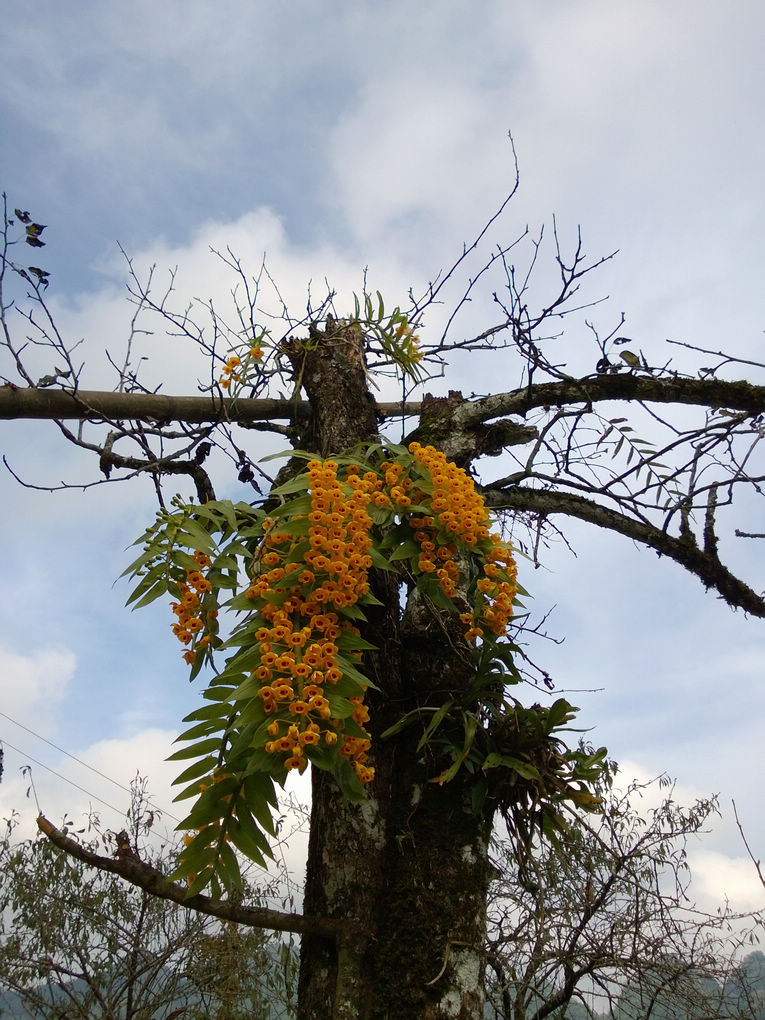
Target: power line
66 780
85 764
150 833
63 751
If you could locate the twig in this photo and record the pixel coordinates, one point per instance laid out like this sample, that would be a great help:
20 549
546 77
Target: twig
754 861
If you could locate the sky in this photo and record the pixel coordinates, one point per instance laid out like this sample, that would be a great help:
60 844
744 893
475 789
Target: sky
335 137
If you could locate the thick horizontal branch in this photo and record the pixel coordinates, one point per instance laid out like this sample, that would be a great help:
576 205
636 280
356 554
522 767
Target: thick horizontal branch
53 404
705 565
31 402
736 396
143 875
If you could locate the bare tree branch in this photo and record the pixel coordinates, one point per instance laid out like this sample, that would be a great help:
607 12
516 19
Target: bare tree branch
130 867
738 396
752 858
701 562
85 405
32 402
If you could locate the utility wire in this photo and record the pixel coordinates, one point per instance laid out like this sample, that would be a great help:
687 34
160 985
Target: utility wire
74 757
63 751
66 780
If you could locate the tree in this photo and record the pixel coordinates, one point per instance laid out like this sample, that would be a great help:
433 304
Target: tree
77 944
600 922
395 906
745 988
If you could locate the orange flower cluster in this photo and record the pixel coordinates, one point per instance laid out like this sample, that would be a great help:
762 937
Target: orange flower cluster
189 609
229 372
298 656
309 572
459 516
234 370
498 586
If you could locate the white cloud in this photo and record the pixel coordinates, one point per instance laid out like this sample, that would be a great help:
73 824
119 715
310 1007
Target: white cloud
33 685
718 878
95 778
429 145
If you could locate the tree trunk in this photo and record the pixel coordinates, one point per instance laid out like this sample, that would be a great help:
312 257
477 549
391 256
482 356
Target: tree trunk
408 866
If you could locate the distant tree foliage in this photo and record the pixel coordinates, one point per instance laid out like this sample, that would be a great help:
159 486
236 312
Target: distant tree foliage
598 923
76 944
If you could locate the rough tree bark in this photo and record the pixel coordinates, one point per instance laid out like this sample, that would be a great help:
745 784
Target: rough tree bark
409 865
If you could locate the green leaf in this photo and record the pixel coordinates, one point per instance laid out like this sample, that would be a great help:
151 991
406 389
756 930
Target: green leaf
200 730
561 712
184 560
146 557
353 642
406 551
294 507
632 359
196 750
201 882
241 838
471 724
261 797
524 769
402 723
195 771
350 672
347 780
247 690
352 729
379 562
250 828
159 589
205 712
228 868
297 484
276 598
395 536
435 721
435 594
299 527
210 807
354 613
192 790
321 756
281 454
198 537
478 795
227 510
156 575
340 707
